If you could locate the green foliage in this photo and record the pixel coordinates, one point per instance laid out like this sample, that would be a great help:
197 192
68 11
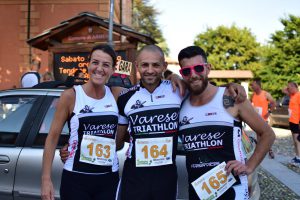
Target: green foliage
282 57
230 48
144 21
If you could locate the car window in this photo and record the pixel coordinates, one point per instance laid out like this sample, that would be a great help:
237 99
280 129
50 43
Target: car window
45 127
13 112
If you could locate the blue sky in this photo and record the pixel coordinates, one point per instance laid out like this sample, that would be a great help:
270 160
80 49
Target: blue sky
182 20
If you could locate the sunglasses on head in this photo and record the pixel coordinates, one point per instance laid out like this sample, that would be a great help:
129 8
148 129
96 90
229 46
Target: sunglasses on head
187 71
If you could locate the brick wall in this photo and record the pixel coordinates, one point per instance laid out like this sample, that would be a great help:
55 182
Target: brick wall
14 51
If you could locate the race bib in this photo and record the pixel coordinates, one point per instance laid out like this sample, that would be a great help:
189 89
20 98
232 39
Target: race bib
97 150
152 152
213 183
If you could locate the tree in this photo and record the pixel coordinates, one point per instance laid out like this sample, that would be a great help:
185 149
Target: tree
230 48
282 56
144 21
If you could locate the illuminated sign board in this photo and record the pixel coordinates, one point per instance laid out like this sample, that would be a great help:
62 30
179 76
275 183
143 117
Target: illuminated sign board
66 64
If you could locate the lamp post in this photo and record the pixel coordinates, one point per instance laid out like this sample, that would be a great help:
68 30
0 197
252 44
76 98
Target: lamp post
28 27
111 24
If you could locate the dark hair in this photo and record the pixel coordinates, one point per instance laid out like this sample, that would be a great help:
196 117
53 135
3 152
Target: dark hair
152 47
257 81
293 84
106 49
77 72
167 73
190 52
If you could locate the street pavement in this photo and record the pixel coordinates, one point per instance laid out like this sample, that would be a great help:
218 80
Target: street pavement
277 180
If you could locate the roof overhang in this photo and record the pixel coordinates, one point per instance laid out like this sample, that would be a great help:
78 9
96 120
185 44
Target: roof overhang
53 36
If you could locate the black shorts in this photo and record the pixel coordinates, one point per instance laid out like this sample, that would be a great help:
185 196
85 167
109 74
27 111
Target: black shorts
294 128
148 183
77 186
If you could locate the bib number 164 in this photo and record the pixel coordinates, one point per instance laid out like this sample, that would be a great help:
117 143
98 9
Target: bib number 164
155 151
152 152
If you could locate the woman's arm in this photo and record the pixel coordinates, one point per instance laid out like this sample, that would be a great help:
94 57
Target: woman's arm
62 113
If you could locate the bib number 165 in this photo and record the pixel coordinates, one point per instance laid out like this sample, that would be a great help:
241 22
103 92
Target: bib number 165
213 183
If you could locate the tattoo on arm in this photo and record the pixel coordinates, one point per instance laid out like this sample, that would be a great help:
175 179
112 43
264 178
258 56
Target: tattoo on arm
228 101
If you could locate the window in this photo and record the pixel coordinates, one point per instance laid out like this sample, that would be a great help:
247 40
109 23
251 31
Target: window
13 112
45 127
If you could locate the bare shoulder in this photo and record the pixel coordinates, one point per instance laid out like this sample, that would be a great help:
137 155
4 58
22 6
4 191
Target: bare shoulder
228 100
68 94
67 99
229 104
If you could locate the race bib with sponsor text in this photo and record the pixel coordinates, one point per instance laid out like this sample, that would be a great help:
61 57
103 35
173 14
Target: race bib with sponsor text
97 150
213 183
152 152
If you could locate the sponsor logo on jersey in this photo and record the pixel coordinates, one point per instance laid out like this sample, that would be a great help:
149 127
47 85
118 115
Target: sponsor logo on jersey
185 120
210 114
87 109
138 104
161 122
202 141
98 129
160 96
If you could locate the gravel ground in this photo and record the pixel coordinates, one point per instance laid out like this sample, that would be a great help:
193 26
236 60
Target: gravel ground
283 145
271 187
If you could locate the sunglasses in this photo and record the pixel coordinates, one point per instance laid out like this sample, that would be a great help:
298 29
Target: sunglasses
187 71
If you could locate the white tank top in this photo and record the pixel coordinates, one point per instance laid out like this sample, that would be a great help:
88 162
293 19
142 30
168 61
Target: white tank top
211 135
93 127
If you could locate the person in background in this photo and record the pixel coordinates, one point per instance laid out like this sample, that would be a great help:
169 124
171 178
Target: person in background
47 76
32 78
214 132
263 103
78 74
294 118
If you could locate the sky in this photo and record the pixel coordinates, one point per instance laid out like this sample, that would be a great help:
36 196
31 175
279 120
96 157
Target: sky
181 20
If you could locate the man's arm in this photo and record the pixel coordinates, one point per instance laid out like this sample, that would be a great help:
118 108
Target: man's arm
271 101
177 82
266 137
116 90
237 92
122 136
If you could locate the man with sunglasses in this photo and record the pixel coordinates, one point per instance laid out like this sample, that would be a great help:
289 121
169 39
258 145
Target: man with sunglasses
149 121
150 170
213 135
